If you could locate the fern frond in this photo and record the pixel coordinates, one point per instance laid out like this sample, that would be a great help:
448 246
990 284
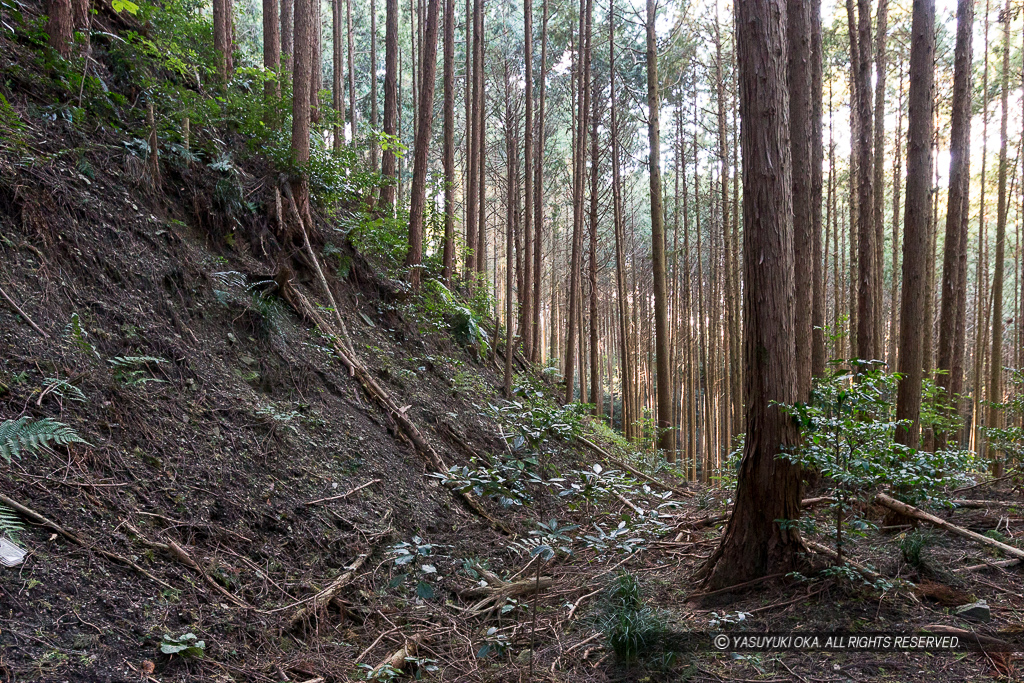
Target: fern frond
10 523
64 389
26 434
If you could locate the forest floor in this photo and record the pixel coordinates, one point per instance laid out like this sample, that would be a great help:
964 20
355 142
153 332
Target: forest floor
211 496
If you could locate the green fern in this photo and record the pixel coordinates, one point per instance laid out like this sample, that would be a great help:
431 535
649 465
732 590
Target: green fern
134 361
63 389
10 525
26 434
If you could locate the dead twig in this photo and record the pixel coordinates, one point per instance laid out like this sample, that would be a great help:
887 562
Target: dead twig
40 519
346 494
324 597
23 314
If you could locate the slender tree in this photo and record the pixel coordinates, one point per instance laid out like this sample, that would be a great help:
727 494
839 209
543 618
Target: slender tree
338 75
995 382
663 379
351 71
526 305
302 69
221 35
287 34
448 254
878 186
768 490
953 287
538 189
798 34
272 50
817 158
916 220
388 164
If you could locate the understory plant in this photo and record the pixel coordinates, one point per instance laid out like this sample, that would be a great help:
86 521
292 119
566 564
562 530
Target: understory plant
848 436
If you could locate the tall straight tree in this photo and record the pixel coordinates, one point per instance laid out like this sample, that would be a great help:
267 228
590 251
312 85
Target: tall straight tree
301 70
954 288
272 50
425 118
338 75
626 370
768 489
865 188
916 219
287 34
388 164
374 150
661 330
583 101
596 392
995 381
351 71
221 35
526 305
878 187
798 35
817 159
538 190
448 254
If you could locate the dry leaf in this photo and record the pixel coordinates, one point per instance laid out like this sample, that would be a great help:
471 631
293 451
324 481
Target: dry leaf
148 667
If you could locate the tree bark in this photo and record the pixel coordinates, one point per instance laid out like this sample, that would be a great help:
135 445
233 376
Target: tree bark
596 392
755 544
916 221
878 196
338 75
351 72
287 35
221 36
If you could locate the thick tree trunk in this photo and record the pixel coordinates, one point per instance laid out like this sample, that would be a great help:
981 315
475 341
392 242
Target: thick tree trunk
388 164
916 221
953 288
663 379
755 544
798 35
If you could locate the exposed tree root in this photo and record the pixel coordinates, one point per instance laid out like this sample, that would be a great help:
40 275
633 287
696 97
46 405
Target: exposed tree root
324 597
493 596
828 552
398 658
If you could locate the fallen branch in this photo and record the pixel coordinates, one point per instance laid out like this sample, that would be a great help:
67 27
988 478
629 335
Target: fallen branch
346 494
1000 564
39 519
825 550
635 472
23 314
324 597
974 504
915 513
178 553
398 658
